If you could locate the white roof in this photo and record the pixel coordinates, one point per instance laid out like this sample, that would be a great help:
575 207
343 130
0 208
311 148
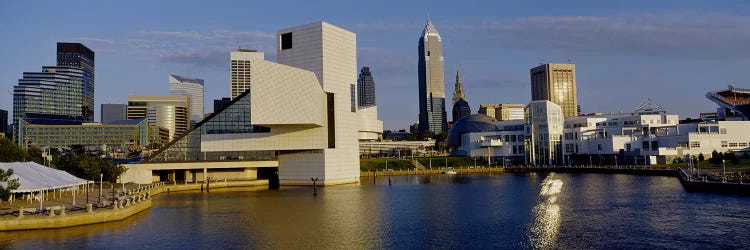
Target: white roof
34 177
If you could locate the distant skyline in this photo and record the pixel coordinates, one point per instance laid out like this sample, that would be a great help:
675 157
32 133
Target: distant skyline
671 51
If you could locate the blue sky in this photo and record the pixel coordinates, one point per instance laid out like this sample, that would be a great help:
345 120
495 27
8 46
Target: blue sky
624 51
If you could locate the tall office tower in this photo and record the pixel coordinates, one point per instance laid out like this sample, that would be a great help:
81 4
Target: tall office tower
170 112
331 53
370 129
240 70
458 89
114 112
365 88
193 88
4 123
56 91
545 122
556 83
78 56
432 115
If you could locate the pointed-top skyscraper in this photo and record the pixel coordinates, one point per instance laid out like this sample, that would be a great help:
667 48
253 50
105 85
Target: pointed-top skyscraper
458 88
461 106
432 115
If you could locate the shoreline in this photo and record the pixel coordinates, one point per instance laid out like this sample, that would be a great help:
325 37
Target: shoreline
62 217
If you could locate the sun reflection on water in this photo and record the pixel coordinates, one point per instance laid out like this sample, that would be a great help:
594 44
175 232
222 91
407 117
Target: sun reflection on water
546 226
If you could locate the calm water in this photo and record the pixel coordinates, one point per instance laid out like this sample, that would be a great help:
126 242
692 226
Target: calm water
499 211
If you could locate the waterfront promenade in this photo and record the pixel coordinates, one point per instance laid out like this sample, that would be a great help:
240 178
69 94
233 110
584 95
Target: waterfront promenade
60 211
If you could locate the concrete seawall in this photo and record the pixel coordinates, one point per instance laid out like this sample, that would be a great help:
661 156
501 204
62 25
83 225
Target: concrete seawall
432 171
64 218
599 170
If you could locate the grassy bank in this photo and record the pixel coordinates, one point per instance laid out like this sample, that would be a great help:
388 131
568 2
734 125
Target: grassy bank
368 165
379 164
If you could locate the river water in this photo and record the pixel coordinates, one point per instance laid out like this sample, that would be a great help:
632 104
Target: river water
418 212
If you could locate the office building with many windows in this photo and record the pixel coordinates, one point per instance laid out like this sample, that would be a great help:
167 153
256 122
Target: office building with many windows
79 56
432 116
170 112
504 111
365 88
240 71
56 91
556 83
124 135
191 87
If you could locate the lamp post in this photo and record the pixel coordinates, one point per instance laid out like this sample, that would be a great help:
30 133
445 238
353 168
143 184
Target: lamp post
724 172
74 193
615 161
101 179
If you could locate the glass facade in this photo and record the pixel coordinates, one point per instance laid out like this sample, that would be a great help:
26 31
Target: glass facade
556 83
54 91
234 119
365 88
432 115
78 56
129 134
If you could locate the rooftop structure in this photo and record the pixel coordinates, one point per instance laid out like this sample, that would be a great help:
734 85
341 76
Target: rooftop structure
734 103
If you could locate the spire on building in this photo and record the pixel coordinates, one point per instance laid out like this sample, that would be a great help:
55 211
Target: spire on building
458 88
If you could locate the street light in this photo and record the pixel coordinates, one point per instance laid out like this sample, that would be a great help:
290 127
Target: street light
615 161
724 174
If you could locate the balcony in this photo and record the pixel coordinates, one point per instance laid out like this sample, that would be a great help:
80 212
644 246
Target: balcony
491 143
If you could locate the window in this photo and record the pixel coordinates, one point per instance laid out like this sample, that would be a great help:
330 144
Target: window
732 144
520 138
286 41
599 146
724 144
722 131
695 144
428 53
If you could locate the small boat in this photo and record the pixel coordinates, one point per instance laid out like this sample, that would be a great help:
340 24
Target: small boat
450 172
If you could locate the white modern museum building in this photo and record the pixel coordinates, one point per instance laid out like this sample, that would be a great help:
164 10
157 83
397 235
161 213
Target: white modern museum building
299 119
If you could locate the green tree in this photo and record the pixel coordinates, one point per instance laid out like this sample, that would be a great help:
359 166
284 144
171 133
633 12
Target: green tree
10 152
701 157
9 184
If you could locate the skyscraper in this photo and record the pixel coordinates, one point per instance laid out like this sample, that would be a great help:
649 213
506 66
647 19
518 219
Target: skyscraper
240 70
113 112
78 56
556 83
432 115
370 129
190 87
365 88
458 89
56 91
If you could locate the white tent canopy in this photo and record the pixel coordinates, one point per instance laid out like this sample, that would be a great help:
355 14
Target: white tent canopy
34 177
